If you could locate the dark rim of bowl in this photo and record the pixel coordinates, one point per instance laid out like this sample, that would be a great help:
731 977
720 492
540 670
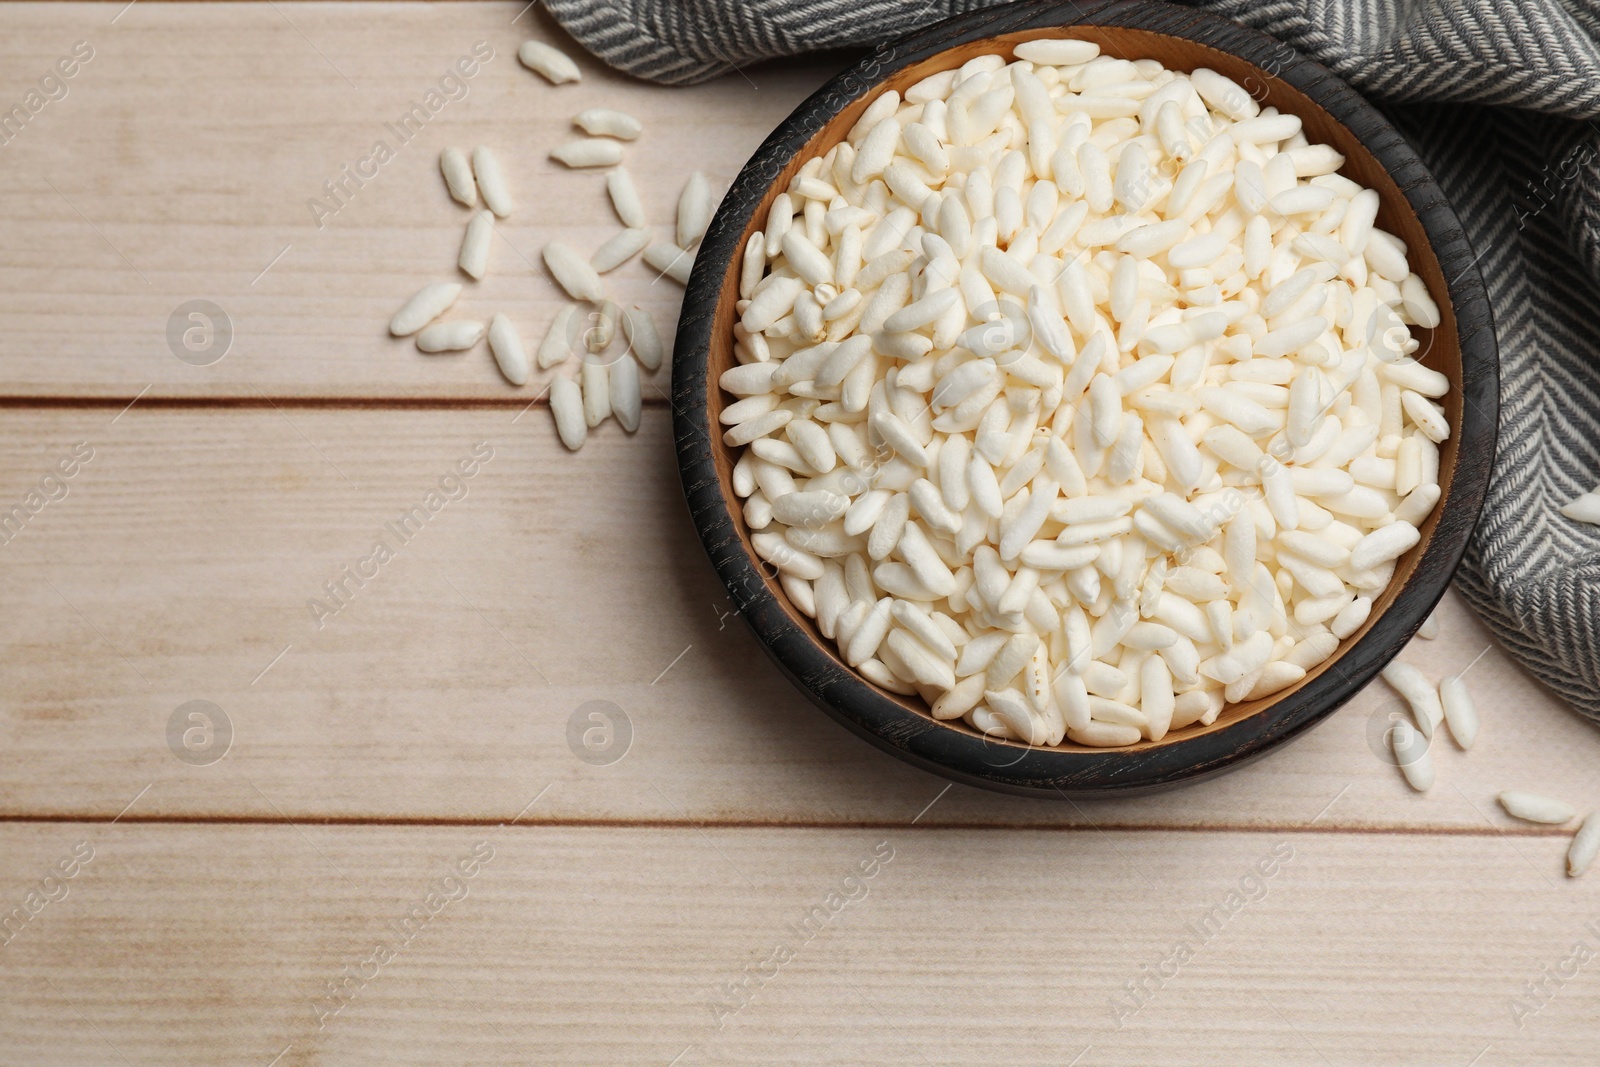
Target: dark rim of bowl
1005 766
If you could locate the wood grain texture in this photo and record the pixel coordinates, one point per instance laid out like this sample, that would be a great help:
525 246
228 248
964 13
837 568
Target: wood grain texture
182 159
582 946
183 558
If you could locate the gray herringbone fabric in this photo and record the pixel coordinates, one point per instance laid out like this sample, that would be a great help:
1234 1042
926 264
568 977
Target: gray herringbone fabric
1498 97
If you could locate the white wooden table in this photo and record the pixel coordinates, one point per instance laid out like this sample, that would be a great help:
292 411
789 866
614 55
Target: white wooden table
704 899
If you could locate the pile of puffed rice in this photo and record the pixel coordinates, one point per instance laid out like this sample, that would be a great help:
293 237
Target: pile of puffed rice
1075 394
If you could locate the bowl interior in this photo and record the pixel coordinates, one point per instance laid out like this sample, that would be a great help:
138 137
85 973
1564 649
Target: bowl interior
1440 348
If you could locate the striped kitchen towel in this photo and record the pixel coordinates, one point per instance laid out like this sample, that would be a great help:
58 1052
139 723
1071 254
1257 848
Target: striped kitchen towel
1499 97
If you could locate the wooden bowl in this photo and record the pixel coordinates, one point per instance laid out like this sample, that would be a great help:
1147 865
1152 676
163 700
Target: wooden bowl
1462 347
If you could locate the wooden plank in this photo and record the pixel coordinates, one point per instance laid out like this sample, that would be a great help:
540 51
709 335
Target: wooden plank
182 561
181 163
213 944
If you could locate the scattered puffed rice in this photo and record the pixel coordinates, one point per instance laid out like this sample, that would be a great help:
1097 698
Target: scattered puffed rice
1585 508
597 338
639 327
555 65
1585 845
595 377
425 305
1430 626
601 388
672 261
1460 713
458 176
573 273
588 152
1535 807
608 122
456 335
1419 693
474 258
695 208
566 404
491 182
619 248
557 345
625 199
509 354
1411 754
626 401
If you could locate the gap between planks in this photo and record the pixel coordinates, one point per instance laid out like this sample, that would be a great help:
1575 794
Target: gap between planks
262 401
1331 829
